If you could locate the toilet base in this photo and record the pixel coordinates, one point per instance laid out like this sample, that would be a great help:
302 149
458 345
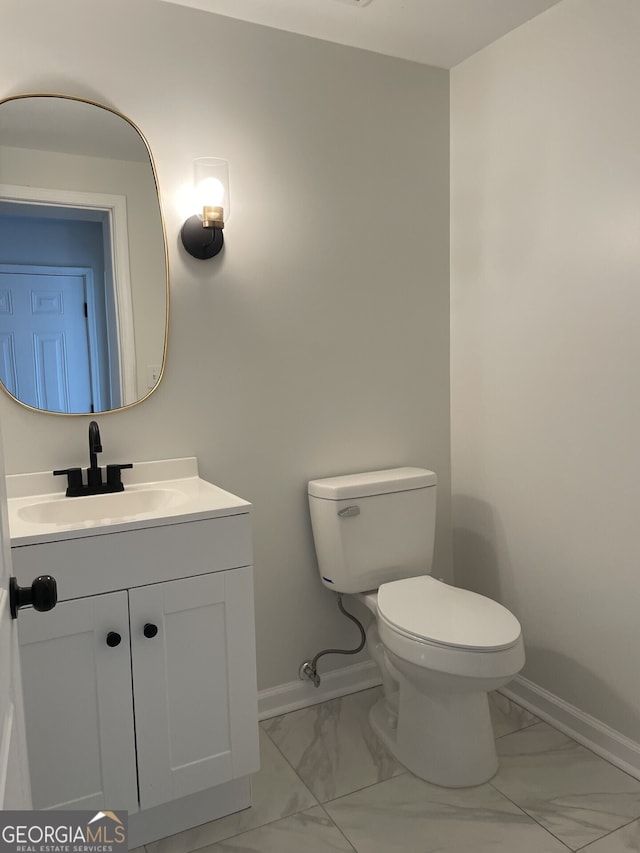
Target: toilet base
444 738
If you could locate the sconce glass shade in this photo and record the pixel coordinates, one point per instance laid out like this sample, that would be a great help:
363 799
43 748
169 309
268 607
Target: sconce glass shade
202 234
211 180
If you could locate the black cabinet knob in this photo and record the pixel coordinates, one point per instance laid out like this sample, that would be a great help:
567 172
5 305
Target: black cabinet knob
150 630
113 639
42 595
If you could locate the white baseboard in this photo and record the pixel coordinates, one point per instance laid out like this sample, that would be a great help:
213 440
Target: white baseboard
606 742
301 694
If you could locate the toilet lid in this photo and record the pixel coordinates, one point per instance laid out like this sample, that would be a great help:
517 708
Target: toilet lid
430 610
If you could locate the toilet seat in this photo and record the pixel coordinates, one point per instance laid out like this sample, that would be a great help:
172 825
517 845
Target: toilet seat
425 610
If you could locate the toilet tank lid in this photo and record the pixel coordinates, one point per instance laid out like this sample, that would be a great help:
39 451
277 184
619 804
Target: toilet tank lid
371 483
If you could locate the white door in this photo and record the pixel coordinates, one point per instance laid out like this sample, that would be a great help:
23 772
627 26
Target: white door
44 337
15 791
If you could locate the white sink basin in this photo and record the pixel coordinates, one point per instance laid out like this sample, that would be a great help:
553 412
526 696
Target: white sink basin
156 493
119 505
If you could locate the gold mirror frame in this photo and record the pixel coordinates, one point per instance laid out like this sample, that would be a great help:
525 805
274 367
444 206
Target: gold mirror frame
154 173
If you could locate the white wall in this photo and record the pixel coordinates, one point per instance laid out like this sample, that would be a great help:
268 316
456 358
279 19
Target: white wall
545 344
319 342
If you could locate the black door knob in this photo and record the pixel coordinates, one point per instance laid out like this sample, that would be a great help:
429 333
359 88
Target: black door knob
113 639
42 595
150 630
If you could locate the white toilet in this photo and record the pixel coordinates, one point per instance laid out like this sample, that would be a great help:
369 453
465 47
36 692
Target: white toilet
439 648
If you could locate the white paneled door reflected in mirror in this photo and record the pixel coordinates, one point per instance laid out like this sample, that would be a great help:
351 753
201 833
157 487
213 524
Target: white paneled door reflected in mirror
84 288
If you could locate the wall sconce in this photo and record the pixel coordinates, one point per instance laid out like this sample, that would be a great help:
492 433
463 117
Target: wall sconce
202 233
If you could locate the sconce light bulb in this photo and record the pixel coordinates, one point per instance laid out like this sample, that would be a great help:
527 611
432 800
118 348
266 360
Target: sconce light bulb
211 192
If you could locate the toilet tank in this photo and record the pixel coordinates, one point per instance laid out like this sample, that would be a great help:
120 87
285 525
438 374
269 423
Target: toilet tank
374 527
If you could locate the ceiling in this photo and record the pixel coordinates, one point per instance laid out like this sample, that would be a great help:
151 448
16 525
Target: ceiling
433 32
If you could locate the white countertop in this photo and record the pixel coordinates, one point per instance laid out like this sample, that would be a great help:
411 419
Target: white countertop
180 494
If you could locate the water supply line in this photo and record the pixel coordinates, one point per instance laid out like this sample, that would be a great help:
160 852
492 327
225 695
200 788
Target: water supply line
309 669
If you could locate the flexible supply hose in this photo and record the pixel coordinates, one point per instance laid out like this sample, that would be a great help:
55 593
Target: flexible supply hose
310 669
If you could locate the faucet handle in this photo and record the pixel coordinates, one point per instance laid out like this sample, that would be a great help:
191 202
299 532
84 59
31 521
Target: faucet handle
74 480
113 475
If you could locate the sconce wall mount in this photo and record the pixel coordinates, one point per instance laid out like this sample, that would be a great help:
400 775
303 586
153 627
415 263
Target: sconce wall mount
201 241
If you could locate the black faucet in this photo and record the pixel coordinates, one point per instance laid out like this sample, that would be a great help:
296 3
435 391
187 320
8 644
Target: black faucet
94 472
75 486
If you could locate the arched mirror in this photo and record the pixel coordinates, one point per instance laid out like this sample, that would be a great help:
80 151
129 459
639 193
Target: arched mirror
83 260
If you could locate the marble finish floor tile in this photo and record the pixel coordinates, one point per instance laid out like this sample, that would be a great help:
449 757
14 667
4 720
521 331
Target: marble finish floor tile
407 815
310 831
508 717
625 840
572 792
332 746
276 792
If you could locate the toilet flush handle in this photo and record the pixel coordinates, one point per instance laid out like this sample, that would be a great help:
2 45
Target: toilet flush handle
349 511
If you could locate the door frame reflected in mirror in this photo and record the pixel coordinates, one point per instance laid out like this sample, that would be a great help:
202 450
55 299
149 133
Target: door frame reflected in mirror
113 211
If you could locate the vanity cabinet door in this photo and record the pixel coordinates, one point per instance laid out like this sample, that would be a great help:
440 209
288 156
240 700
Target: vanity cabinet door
194 683
78 706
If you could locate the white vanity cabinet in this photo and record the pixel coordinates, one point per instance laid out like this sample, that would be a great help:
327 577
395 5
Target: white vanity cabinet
193 684
79 706
189 689
140 685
